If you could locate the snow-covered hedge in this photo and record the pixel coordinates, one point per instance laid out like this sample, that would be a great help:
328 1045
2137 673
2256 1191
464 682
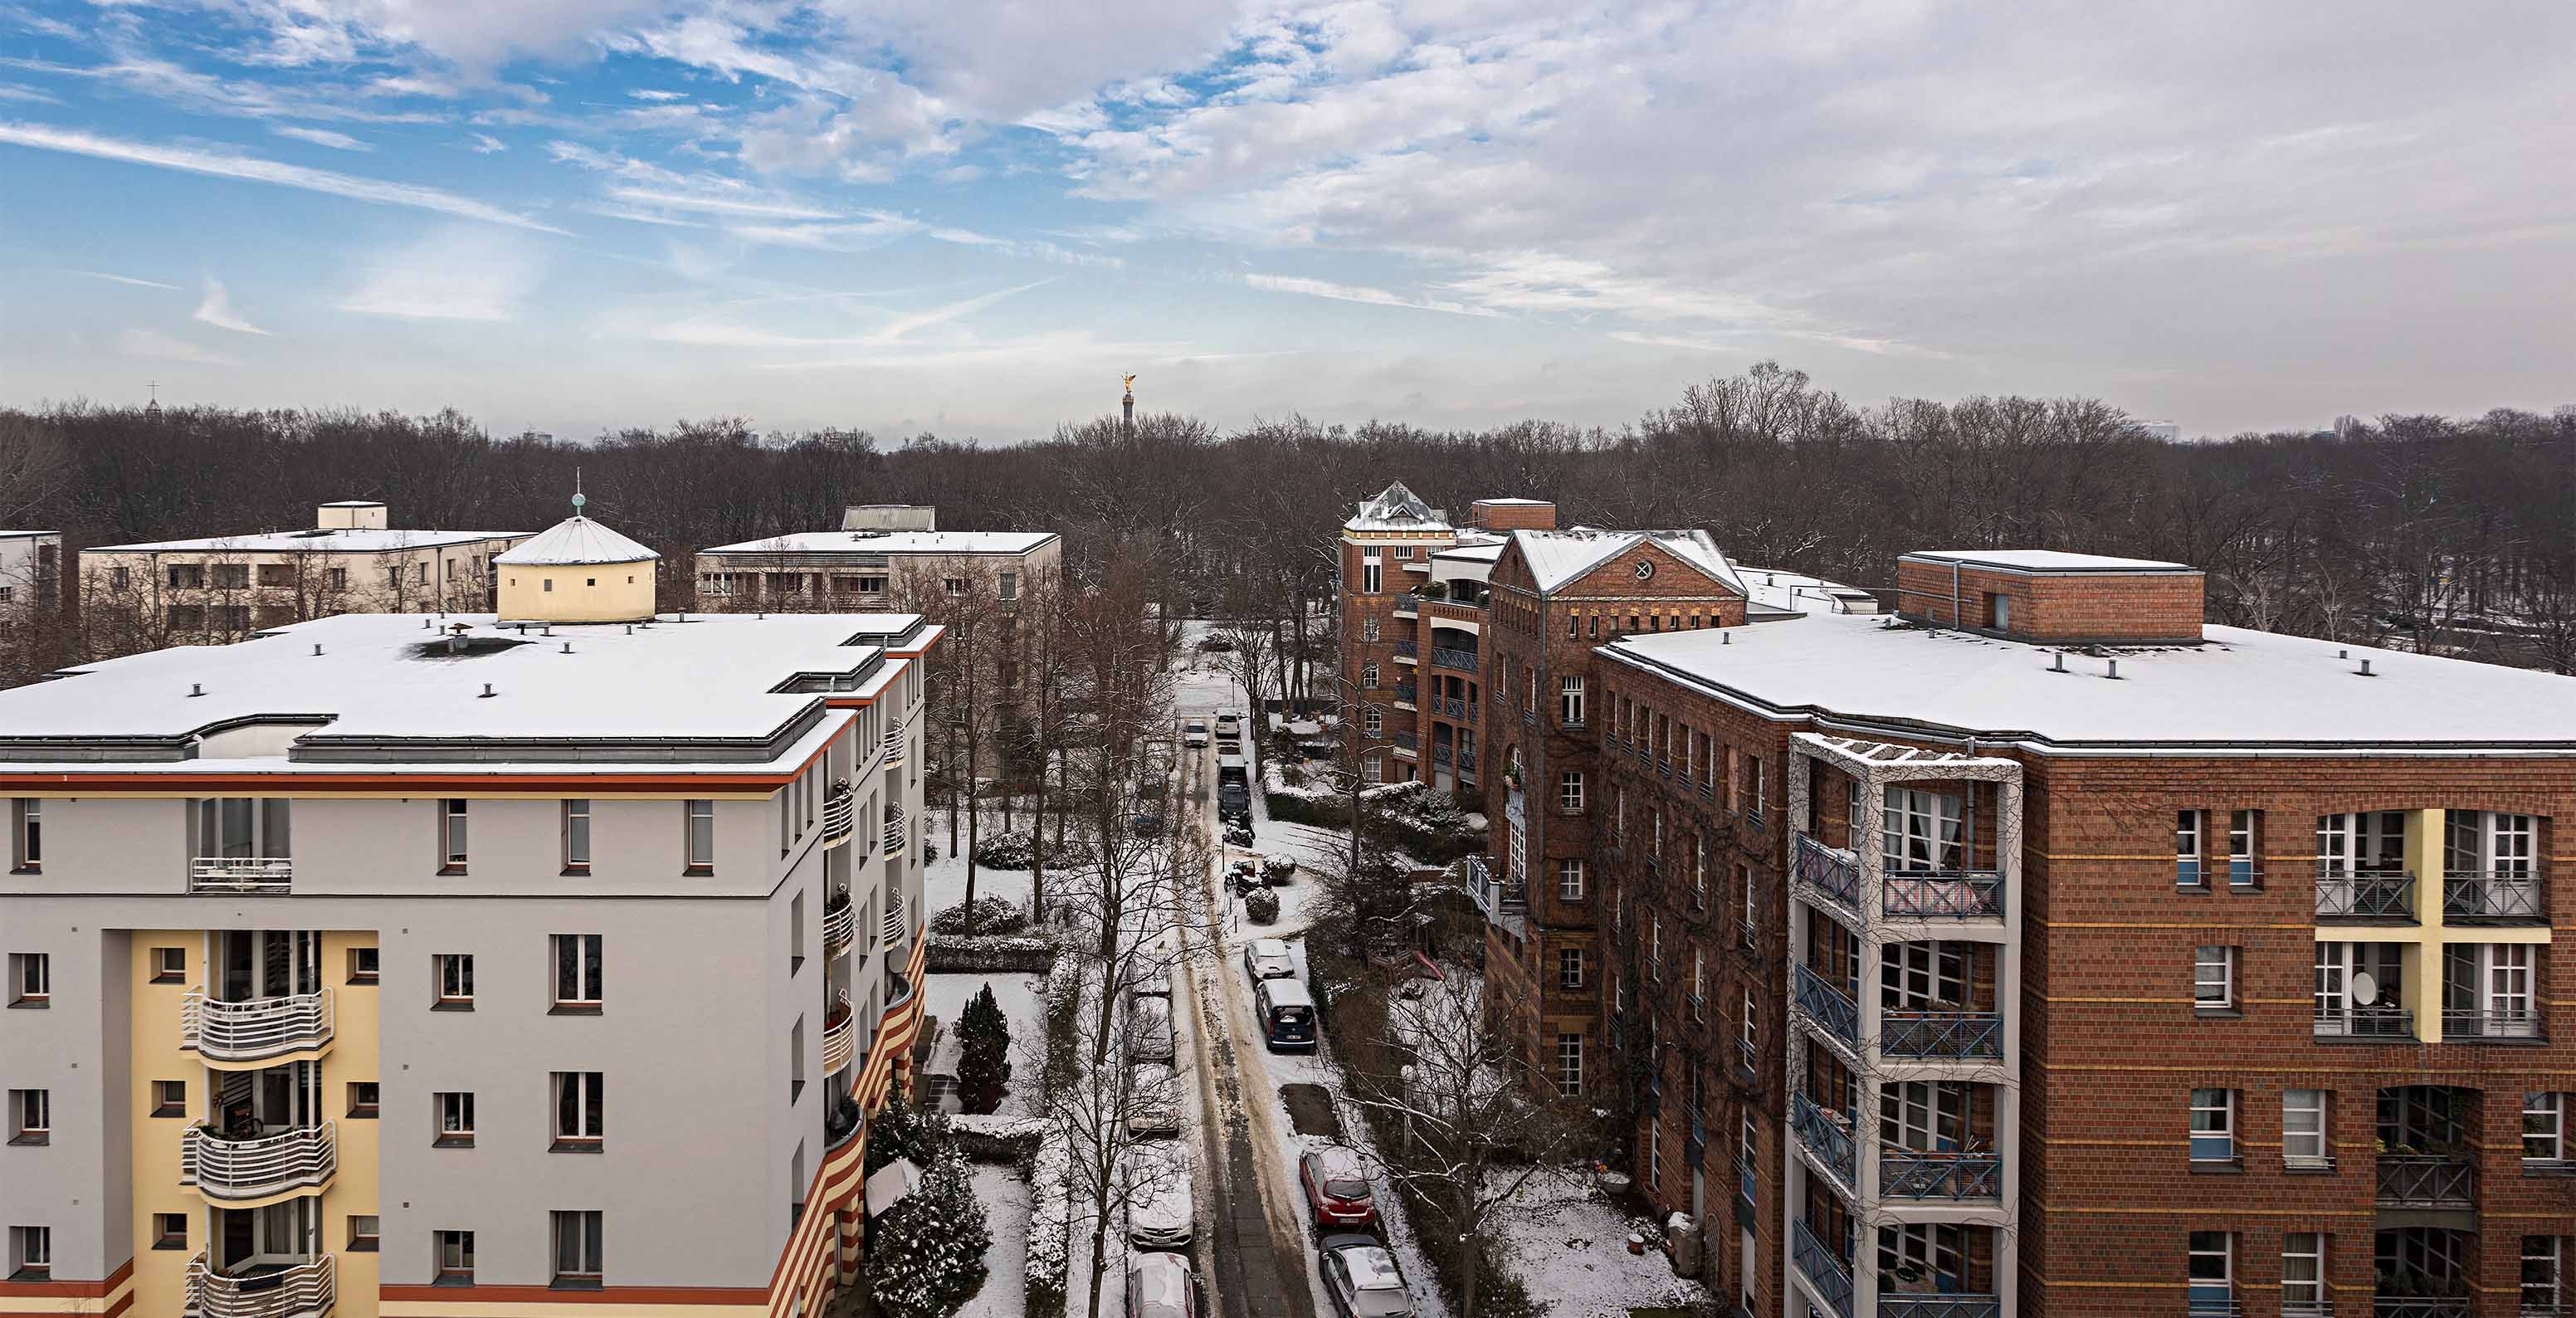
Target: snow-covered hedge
1017 850
1050 1223
1261 906
983 917
950 952
995 1138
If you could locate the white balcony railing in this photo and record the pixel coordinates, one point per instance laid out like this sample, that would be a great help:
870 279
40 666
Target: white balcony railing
896 831
254 1030
839 1039
306 1289
895 928
229 1169
839 805
893 743
840 926
241 874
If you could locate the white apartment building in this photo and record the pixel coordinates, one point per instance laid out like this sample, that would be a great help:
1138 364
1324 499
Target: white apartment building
882 553
31 568
413 965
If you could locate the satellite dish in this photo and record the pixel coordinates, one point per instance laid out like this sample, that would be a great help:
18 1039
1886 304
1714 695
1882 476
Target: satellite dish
2365 988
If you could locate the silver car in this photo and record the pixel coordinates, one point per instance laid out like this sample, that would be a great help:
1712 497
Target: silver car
1269 958
1154 1178
1161 1286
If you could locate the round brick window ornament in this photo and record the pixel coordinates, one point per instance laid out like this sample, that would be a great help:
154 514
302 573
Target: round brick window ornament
1645 568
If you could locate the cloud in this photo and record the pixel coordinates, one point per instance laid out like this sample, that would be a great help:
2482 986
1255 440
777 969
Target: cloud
720 334
10 91
1033 249
485 144
462 275
654 94
717 205
154 343
323 137
251 169
875 230
217 310
1358 293
126 279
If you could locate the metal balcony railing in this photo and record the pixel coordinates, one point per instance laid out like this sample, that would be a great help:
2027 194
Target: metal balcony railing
299 1290
1943 894
1402 738
1407 606
2427 1181
1941 1033
896 833
1440 752
1829 870
1403 649
839 805
840 1036
2366 897
2478 1026
1826 1273
254 1030
1908 1174
2374 1022
1408 694
1827 1005
894 926
2489 896
2423 1306
226 1170
1901 1304
1824 1134
1449 656
840 924
241 874
894 742
2212 1306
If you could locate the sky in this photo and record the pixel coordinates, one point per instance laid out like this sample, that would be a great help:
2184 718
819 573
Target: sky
971 217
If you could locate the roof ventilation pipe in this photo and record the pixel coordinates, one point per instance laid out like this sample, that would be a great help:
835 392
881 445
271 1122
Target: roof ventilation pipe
2114 674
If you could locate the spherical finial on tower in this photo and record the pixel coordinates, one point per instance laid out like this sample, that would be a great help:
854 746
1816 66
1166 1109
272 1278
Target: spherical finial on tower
577 502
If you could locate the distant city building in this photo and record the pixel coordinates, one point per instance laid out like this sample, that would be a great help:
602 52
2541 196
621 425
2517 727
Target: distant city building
868 563
2164 430
31 570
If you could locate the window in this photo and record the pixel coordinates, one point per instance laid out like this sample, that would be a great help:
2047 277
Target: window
1569 702
364 964
1372 722
1923 976
2187 825
2542 1284
1368 629
232 576
577 966
1919 830
1569 1063
1569 880
169 1098
1569 790
576 835
2213 1125
796 1058
339 578
1699 983
31 1116
453 973
2303 1272
169 1230
2213 978
1008 585
362 1233
577 1117
118 578
455 1258
31 1253
702 836
2544 1129
1368 676
1569 967
1744 1040
1999 611
2303 1130
577 1248
2212 1285
956 587
451 835
1372 575
362 1099
27 834
2241 869
169 965
1752 902
455 1120
1753 788
31 979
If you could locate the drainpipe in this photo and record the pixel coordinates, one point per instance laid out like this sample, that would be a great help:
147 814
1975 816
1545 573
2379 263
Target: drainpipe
1955 620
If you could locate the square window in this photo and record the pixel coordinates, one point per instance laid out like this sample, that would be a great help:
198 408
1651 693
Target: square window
362 1233
169 965
169 1098
364 964
169 1230
455 1120
453 975
362 1099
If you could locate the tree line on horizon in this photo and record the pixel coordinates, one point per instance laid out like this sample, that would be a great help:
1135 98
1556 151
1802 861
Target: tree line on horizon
2443 534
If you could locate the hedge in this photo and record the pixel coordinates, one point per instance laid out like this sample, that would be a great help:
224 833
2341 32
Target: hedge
950 953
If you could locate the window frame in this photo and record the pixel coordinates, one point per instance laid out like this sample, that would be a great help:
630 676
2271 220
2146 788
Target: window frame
452 1116
581 1096
695 811
1569 701
2308 1291
579 958
27 835
167 1104
366 965
31 1253
1569 968
369 1241
1569 1064
2198 1247
31 979
165 973
2191 830
1569 879
163 1238
585 1226
2550 1107
576 834
366 1099
31 1117
2218 971
2222 1125
455 834
452 1258
451 981
1569 791
2320 1110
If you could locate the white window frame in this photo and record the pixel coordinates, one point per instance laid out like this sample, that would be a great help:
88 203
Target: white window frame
2191 836
452 974
1569 880
2221 1115
2544 1127
2213 978
2303 1252
1368 676
1569 790
2306 1138
2545 1294
454 833
1917 976
31 1116
1921 831
1569 1064
587 1092
2217 1290
576 834
576 953
455 1114
1569 702
2242 869
27 834
1569 968
698 834
583 1228
31 1250
35 978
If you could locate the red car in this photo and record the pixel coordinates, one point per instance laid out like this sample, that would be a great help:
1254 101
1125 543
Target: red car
1337 1188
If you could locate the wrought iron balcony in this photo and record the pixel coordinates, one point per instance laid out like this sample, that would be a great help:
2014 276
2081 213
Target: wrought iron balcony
2423 1306
840 1036
229 1170
1824 1135
1901 1304
1943 894
1404 740
307 1289
2373 1022
1407 695
840 924
2382 897
895 927
2414 1180
1828 870
1404 652
1909 1174
2499 898
1828 1006
1408 606
254 1030
1826 1273
1941 1033
264 874
2484 1026
1450 656
839 805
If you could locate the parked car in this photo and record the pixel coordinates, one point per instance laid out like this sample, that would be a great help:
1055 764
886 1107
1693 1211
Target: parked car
1194 733
1155 1182
1337 1187
1287 1015
1162 1286
1269 958
1229 725
1361 1279
1154 978
1149 1029
1153 1106
1147 824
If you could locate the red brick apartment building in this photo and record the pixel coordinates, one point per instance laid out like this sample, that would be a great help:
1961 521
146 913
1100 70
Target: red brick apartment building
2183 970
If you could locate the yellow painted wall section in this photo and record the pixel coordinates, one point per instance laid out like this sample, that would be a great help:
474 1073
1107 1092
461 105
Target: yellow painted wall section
353 1058
160 1275
583 592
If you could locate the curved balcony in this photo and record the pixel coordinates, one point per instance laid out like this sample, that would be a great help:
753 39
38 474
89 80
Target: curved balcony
839 805
296 1290
840 924
840 1036
257 874
897 832
256 1031
231 1171
894 926
893 743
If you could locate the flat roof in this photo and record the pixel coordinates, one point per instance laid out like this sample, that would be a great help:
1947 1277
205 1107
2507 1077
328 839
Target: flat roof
1516 503
385 690
312 542
2044 561
892 542
20 535
2239 689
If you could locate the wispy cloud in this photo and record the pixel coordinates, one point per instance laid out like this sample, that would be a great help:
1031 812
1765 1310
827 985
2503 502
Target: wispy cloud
634 216
252 169
154 343
892 334
1378 297
323 137
217 310
876 230
463 274
10 91
1037 249
126 279
684 201
485 144
657 95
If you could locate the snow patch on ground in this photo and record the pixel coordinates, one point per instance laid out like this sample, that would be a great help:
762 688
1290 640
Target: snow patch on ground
1571 1247
1006 1212
1023 1002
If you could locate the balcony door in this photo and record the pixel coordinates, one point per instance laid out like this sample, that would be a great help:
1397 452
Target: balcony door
268 963
244 828
2368 842
1921 830
1923 1116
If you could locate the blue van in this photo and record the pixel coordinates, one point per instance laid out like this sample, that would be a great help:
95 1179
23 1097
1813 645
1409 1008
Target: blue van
1287 1015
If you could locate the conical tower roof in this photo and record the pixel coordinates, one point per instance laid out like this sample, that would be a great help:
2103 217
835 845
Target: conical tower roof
1397 508
576 539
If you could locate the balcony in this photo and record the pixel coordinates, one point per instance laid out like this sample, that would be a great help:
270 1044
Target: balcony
1440 752
1943 895
1408 606
2427 1181
893 743
893 928
1910 1174
232 1170
1899 1304
1828 1006
2491 1026
307 1289
1971 1034
1407 696
1826 1136
1828 870
840 1036
2366 898
256 1030
2384 1023
896 834
1498 899
840 924
260 874
1404 653
839 805
1405 742
1446 656
1826 1274
2494 898
2427 1306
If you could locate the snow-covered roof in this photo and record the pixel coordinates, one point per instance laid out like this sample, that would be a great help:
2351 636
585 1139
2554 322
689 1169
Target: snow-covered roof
1514 503
1483 552
383 680
21 535
576 539
2044 561
1557 557
312 542
2240 688
892 542
1397 509
355 503
1800 592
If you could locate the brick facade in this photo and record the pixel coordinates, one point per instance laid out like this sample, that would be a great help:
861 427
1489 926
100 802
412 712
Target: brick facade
2061 607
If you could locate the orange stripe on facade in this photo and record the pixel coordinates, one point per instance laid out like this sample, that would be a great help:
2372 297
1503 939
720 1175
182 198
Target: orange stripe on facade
67 1290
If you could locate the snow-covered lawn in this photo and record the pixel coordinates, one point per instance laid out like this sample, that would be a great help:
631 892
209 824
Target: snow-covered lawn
1571 1247
1006 1212
1023 1001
